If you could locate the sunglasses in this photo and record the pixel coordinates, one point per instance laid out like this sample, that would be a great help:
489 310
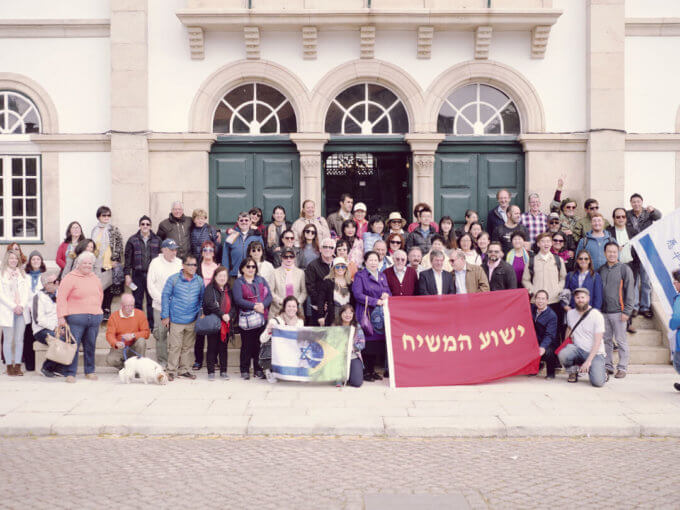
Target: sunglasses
558 240
593 207
145 224
310 232
554 221
618 217
289 238
208 249
250 266
395 242
570 207
191 265
340 267
288 256
583 258
105 215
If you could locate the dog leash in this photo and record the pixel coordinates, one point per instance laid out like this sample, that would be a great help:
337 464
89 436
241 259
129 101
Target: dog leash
125 353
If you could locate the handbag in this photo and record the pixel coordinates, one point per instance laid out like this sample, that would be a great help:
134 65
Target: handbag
62 351
117 275
365 320
208 324
568 340
378 320
250 320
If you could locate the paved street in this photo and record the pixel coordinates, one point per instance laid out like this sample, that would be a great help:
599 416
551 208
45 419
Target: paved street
330 473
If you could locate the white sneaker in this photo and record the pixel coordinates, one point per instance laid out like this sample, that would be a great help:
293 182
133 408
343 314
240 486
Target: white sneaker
270 377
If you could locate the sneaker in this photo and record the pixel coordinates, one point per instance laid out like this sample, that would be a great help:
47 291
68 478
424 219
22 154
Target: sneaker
270 377
197 366
211 376
620 374
188 375
223 375
647 314
676 386
70 379
260 374
46 373
91 377
245 375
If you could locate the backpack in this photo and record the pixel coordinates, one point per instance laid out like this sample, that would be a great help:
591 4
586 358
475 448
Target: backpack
531 263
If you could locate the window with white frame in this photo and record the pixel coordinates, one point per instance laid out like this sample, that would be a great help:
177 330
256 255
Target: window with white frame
254 108
18 114
366 109
478 109
20 198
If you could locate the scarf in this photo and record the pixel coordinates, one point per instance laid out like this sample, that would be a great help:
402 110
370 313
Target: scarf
511 256
224 308
35 276
100 235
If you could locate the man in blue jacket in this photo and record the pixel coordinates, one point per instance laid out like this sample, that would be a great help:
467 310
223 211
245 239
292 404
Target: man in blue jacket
675 324
595 240
545 323
181 303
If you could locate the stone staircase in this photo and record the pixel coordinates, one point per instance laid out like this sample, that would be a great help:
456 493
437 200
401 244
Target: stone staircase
649 345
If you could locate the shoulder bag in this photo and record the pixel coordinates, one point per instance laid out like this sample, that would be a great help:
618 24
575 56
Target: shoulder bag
209 324
62 351
569 340
250 319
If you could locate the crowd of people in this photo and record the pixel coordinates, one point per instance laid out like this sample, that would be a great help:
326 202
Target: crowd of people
201 285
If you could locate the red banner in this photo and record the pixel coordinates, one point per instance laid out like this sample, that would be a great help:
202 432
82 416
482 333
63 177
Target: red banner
460 339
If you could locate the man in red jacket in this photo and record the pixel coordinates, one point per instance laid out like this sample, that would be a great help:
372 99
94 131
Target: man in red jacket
127 327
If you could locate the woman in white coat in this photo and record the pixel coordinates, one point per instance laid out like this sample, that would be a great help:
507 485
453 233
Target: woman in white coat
15 291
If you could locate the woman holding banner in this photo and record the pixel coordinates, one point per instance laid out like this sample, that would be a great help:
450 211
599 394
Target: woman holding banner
290 316
370 291
346 318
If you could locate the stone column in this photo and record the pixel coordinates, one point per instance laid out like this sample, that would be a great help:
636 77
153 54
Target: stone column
129 114
605 157
424 146
310 146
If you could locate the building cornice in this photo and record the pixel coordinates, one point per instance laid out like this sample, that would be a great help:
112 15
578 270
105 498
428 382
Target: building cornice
181 142
73 142
365 21
653 27
653 142
56 28
554 142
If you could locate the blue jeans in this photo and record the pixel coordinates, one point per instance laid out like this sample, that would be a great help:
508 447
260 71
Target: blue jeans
14 336
571 357
676 361
643 291
84 327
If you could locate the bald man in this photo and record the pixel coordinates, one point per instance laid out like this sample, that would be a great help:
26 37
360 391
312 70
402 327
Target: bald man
129 328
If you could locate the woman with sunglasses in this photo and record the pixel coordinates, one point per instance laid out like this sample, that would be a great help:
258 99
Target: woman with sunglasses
309 246
560 250
264 268
288 281
448 232
109 242
342 250
201 232
395 242
335 291
257 221
356 251
286 240
206 270
252 297
274 232
584 275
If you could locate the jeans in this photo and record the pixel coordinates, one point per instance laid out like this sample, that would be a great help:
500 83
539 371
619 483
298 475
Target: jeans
160 333
139 279
571 357
614 327
643 290
676 361
14 336
250 349
49 365
84 327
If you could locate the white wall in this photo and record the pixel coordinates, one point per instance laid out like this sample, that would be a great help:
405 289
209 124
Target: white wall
652 174
652 9
84 185
75 72
46 9
652 84
174 78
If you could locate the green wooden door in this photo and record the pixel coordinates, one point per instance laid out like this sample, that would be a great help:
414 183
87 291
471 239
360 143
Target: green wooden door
261 176
469 176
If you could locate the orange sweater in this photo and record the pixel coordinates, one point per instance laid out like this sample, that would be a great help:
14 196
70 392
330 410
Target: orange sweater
79 294
119 326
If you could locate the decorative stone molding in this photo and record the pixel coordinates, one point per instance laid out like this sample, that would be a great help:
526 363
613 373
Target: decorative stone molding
37 94
653 142
424 143
423 165
550 142
309 42
653 27
196 43
72 143
231 75
373 71
251 36
482 42
539 41
310 164
367 41
181 142
498 75
425 36
54 28
310 142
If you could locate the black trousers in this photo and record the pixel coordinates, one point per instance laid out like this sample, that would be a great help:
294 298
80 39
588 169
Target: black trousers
551 361
250 349
374 353
139 279
106 301
199 348
29 353
216 347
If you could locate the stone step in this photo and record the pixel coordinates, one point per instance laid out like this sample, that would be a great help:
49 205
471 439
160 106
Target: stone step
646 338
643 355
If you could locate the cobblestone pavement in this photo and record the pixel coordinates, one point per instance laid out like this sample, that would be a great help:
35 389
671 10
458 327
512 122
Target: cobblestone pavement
335 473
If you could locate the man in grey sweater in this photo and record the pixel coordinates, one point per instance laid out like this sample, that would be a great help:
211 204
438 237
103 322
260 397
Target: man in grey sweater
617 305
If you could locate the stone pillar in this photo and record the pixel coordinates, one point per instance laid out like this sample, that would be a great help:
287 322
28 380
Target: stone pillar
310 146
424 146
605 157
129 114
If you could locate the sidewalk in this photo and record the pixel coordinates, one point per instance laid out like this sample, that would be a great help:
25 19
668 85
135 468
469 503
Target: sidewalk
639 405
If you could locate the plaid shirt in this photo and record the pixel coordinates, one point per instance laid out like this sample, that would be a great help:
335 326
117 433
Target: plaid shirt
534 224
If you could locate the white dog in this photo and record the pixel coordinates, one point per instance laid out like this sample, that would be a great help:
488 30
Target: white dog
145 369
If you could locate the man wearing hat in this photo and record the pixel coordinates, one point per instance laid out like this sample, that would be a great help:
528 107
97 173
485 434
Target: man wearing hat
360 219
586 353
344 213
395 224
140 249
160 269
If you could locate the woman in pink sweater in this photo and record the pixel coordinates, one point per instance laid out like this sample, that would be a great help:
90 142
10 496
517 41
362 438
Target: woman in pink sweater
79 303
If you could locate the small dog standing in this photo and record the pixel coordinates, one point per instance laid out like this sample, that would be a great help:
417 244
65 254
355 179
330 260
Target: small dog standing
145 369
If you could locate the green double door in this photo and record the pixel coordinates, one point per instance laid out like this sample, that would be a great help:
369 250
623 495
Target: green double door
469 176
247 175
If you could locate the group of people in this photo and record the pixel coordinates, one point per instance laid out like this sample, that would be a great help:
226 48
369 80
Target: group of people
201 285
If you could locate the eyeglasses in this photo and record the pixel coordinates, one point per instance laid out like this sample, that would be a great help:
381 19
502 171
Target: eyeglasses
250 266
619 217
395 242
208 249
145 224
583 258
570 207
105 215
327 247
288 256
593 207
191 265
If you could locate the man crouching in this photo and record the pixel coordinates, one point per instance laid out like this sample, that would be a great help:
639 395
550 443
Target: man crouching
126 328
585 327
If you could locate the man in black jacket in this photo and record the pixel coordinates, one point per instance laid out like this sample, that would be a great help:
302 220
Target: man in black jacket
503 233
436 281
499 214
315 272
177 227
501 275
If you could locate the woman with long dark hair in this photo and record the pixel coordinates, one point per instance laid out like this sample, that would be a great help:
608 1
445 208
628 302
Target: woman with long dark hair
74 234
346 317
216 301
